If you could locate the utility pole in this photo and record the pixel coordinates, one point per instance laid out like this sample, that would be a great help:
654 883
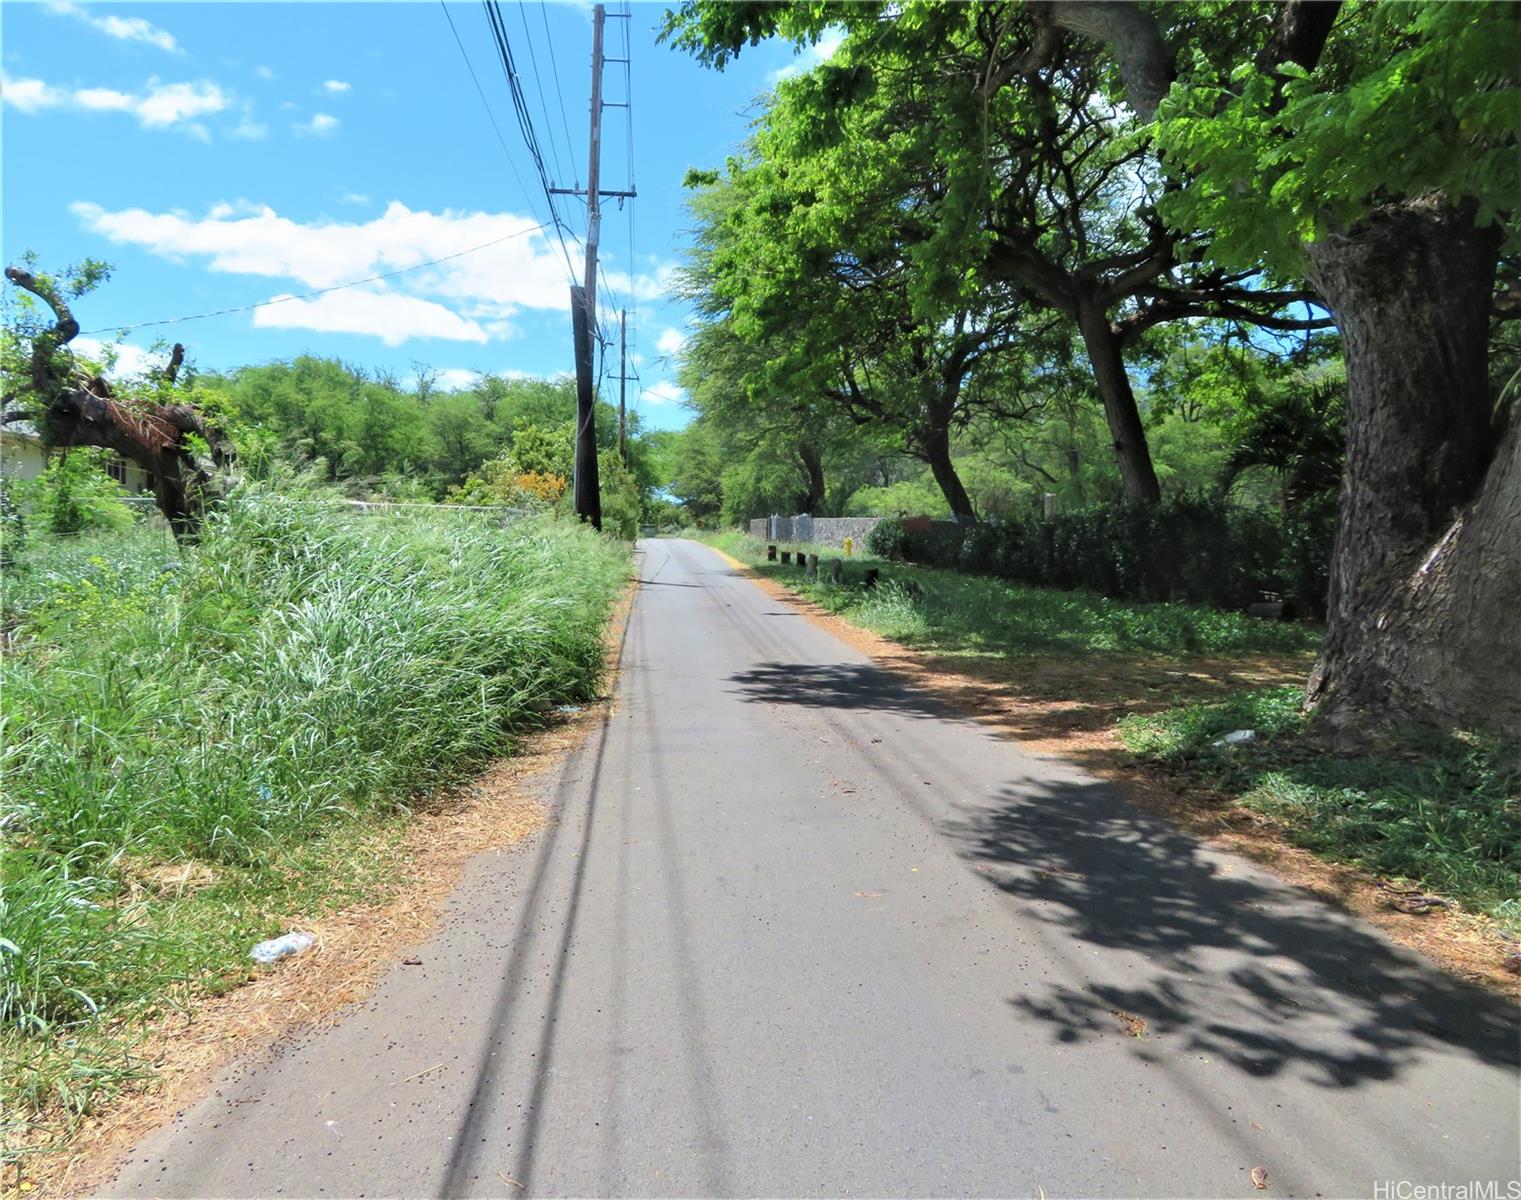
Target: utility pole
622 385
583 302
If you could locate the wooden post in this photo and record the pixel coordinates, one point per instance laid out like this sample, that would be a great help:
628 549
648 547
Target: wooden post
872 575
836 571
771 553
786 557
813 566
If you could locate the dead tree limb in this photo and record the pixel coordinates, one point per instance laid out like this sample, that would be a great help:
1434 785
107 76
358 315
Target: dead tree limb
70 408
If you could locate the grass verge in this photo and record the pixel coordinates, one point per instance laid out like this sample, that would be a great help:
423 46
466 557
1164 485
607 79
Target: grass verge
204 744
1445 815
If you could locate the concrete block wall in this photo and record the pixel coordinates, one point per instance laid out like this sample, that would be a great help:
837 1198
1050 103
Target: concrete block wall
818 531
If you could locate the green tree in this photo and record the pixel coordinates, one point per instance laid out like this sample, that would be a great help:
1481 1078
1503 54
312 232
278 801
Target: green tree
805 253
1035 179
1372 148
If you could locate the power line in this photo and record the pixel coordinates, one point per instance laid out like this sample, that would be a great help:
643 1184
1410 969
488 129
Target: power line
633 241
337 287
486 104
554 66
538 82
525 118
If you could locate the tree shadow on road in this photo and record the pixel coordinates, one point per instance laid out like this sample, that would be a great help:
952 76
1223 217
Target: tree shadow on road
840 686
1217 957
1230 963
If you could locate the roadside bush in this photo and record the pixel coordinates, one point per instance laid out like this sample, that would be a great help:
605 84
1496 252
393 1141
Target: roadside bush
1192 549
937 546
888 539
74 494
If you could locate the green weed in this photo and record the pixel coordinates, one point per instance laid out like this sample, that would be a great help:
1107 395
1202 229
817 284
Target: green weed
238 705
1445 814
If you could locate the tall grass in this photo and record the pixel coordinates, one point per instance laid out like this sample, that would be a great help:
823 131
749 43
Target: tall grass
228 703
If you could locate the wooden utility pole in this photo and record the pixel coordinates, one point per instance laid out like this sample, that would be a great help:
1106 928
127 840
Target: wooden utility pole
622 385
583 303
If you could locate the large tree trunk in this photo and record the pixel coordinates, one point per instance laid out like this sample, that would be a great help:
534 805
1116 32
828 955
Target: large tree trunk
936 449
1105 354
813 468
1422 623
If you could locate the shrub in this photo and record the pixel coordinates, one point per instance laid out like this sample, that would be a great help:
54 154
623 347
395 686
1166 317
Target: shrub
937 546
74 494
888 538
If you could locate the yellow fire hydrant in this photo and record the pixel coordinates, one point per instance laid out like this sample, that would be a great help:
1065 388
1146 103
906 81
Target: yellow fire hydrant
848 546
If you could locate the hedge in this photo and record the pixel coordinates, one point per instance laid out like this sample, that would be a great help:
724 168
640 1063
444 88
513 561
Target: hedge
1196 550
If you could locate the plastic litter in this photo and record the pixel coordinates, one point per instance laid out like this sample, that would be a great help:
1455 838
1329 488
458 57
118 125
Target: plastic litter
1237 737
568 708
282 947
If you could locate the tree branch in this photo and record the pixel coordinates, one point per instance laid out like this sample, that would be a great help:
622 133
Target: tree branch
1146 64
1300 34
65 327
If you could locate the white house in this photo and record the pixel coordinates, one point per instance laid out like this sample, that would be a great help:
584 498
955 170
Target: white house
23 456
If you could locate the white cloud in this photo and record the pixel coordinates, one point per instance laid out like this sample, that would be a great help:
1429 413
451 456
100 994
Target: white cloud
249 130
265 73
171 103
29 95
470 298
158 106
103 100
132 362
336 85
388 315
123 29
655 284
355 198
663 393
321 125
456 379
809 57
671 341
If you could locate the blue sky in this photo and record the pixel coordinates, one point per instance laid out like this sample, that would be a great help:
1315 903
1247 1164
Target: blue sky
225 154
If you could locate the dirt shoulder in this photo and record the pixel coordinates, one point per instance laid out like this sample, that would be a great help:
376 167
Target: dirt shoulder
1069 709
185 1051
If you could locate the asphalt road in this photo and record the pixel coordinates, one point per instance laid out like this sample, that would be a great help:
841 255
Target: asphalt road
796 929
